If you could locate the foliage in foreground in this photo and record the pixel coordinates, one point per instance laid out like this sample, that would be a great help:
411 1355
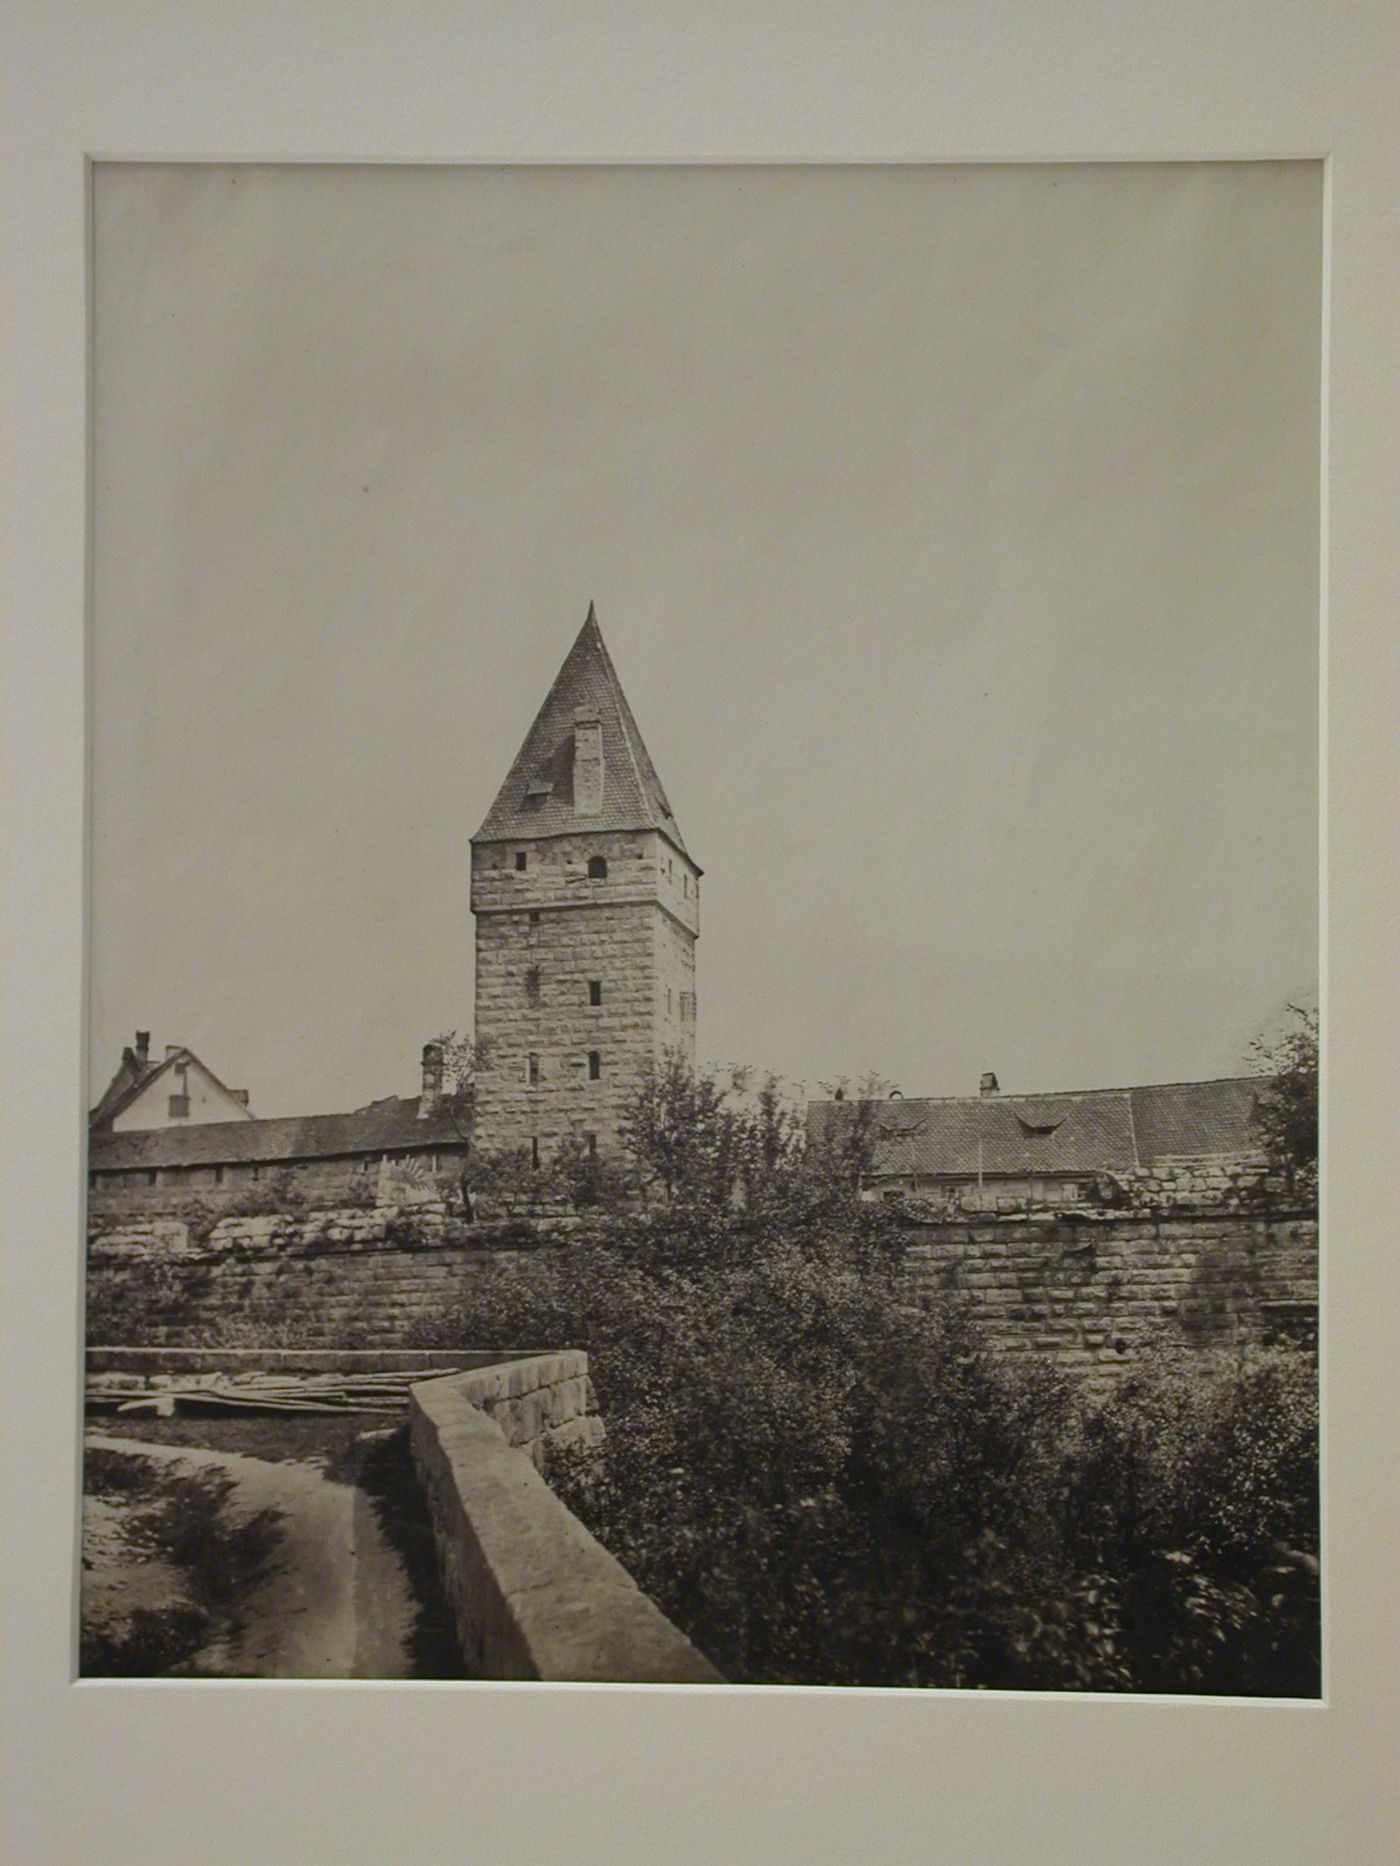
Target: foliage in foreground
824 1479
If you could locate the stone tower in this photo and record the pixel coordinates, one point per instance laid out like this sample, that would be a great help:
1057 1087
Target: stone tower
587 911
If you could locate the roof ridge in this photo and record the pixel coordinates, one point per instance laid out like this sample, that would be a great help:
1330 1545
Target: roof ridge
1004 1096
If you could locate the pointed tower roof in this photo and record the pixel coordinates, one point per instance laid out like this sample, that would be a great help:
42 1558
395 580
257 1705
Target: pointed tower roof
537 798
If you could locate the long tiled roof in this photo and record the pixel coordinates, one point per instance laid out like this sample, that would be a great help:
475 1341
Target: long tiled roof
1073 1131
387 1126
633 797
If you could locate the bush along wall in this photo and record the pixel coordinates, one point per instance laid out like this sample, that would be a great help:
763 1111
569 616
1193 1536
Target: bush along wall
826 1471
1083 1291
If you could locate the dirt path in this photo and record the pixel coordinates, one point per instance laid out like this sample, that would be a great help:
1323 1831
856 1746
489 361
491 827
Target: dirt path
338 1603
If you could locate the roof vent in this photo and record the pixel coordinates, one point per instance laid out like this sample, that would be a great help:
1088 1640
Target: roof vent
990 1084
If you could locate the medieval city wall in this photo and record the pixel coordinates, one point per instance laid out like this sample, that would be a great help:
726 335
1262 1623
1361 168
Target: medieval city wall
1087 1289
348 1181
1084 1289
360 1277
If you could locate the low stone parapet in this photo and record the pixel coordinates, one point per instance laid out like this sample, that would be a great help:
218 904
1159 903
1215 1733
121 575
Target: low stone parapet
533 1593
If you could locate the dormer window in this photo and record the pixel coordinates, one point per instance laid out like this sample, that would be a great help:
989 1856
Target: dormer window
597 868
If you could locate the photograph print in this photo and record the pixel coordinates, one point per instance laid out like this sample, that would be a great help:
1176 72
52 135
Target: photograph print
899 1270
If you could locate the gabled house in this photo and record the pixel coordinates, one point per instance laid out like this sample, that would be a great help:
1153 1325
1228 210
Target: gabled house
177 1091
1190 1141
398 1150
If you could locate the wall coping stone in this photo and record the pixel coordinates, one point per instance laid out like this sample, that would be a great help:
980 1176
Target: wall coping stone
535 1595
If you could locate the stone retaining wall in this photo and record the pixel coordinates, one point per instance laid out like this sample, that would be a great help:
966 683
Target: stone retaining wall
533 1594
356 1278
1087 1289
1082 1287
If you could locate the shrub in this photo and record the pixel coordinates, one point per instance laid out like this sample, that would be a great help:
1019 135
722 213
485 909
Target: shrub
824 1478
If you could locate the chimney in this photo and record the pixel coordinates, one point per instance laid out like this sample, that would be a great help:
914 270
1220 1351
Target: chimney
432 1078
588 762
989 1082
143 1046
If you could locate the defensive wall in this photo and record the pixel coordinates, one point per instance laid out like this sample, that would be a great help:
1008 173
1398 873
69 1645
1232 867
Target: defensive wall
1080 1287
1086 1288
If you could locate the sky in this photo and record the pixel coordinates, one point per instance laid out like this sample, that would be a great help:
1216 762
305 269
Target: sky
954 532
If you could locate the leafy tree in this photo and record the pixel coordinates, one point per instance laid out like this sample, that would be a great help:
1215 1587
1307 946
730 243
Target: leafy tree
1288 1106
688 1133
825 1475
854 1123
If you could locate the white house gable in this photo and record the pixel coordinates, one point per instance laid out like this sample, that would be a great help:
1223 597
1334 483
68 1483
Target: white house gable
181 1093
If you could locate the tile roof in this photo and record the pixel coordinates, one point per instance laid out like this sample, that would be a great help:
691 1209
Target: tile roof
386 1126
633 796
133 1073
1072 1131
1188 1119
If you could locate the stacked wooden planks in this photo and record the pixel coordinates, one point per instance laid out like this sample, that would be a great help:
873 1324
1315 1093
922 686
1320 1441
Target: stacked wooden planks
253 1392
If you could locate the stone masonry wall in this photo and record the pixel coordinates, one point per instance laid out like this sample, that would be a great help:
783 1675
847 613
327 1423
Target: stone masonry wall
1088 1289
544 933
136 1192
340 1279
1085 1289
533 1594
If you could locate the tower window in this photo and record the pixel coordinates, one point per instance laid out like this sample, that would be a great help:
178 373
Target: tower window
532 1068
686 882
592 1140
595 991
668 1000
534 916
595 1065
520 860
597 868
534 1150
532 985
